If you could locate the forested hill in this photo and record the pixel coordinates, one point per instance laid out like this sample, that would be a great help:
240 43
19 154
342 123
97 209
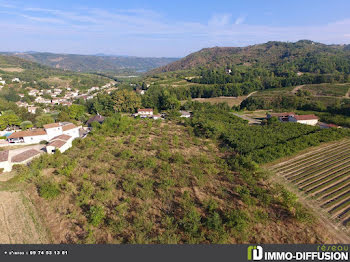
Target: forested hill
303 56
95 63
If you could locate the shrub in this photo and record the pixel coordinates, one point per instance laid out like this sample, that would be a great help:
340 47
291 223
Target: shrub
49 190
96 215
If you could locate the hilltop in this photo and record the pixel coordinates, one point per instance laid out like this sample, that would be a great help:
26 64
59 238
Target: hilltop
301 56
95 63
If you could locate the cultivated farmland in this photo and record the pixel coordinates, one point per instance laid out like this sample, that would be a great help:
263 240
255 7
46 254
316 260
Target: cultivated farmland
323 175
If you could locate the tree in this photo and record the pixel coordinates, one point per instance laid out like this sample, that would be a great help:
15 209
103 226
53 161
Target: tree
168 101
7 120
26 124
126 101
43 120
76 111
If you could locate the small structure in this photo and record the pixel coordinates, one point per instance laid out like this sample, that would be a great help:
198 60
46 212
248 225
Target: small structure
324 125
311 120
5 164
97 118
185 114
283 117
25 157
145 112
32 109
62 142
16 79
156 117
29 137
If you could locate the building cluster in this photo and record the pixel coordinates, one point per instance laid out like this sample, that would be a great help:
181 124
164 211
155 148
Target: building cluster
311 120
56 96
59 136
148 113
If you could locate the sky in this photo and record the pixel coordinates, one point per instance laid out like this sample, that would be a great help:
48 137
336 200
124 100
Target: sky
161 28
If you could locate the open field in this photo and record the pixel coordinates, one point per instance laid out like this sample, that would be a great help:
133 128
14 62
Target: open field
231 101
12 69
20 222
323 175
337 90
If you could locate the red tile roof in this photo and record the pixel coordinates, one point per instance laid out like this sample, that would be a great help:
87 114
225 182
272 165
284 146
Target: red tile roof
68 127
35 132
25 155
62 137
145 110
4 156
57 143
306 117
51 125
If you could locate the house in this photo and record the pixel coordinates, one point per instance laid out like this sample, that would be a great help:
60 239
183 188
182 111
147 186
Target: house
32 109
61 142
283 117
3 82
97 118
46 134
145 112
53 130
185 114
29 137
156 117
228 71
5 164
311 120
16 80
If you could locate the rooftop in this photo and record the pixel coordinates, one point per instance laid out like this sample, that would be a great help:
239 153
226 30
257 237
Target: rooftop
62 137
4 156
145 110
68 127
53 125
25 156
57 143
35 132
306 117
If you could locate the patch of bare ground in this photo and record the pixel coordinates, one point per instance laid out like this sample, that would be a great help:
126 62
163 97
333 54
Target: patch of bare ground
12 69
19 220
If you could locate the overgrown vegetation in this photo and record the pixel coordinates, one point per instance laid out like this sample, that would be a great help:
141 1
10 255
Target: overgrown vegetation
143 181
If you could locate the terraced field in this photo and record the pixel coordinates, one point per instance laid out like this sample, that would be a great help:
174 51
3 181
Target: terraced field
324 175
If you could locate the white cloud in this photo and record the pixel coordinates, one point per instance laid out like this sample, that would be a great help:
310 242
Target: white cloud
240 20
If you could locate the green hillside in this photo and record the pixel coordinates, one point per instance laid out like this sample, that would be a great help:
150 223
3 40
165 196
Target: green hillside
303 56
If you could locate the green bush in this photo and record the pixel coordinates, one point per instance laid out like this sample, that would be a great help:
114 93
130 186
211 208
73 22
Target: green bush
96 215
49 190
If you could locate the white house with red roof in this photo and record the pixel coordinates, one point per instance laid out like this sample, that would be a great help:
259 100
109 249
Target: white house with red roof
145 112
45 134
311 120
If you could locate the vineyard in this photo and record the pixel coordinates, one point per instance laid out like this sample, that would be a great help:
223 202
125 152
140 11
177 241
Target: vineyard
324 175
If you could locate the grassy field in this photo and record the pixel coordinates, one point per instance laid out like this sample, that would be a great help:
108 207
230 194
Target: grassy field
143 181
323 175
231 101
336 90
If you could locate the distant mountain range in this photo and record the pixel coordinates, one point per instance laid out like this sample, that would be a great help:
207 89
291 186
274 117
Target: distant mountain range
271 54
94 63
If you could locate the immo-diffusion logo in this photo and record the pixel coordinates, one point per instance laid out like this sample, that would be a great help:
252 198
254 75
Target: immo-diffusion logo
329 253
255 253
